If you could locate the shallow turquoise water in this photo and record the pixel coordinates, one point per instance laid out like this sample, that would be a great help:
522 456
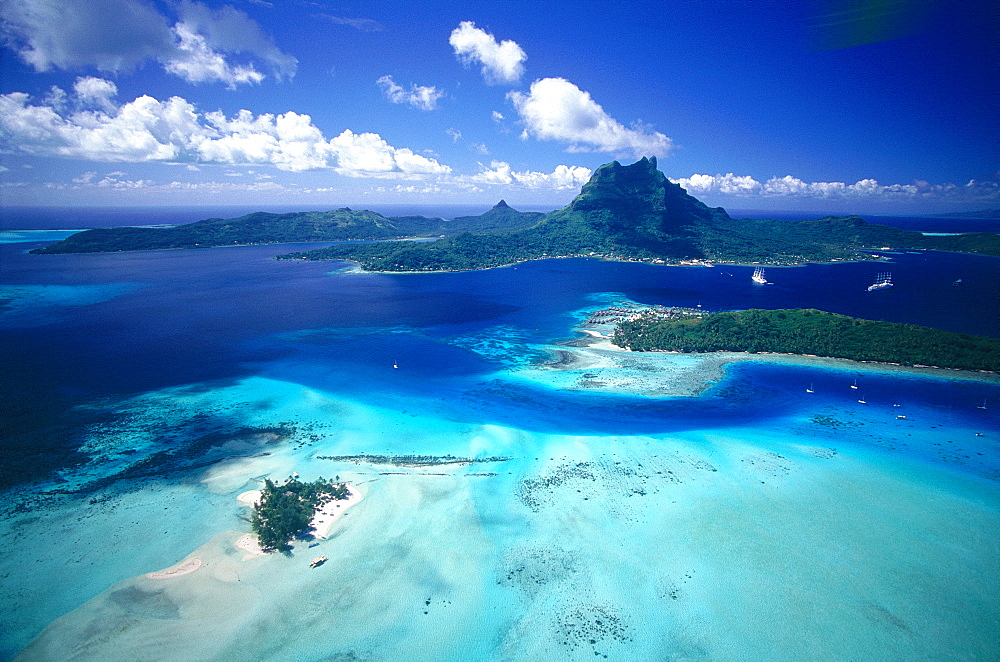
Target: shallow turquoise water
754 521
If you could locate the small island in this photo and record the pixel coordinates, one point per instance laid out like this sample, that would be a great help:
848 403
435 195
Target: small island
285 511
808 332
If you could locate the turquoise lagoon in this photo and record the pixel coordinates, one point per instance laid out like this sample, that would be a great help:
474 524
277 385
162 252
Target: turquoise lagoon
671 508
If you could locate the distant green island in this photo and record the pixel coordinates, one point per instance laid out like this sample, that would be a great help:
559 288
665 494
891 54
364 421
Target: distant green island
284 510
635 213
623 213
809 332
266 228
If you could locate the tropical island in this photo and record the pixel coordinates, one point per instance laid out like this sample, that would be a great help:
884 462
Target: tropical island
623 213
635 213
807 332
285 511
266 228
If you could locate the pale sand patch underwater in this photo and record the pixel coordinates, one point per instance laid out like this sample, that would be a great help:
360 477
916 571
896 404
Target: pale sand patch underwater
640 548
732 544
249 498
185 567
596 364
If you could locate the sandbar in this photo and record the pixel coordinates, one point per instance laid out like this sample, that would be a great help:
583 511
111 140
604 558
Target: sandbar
329 513
249 498
248 543
185 567
592 362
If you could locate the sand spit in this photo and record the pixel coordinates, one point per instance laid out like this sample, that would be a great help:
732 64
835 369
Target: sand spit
326 517
592 362
599 366
248 543
249 498
185 567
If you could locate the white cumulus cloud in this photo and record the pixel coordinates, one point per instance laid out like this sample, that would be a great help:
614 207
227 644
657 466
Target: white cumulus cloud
96 91
789 186
119 35
418 96
147 129
196 62
556 109
502 62
500 173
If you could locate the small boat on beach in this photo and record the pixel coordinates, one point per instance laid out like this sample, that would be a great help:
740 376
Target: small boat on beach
318 561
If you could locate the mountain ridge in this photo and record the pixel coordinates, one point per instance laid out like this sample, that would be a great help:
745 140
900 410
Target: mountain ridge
344 224
633 212
624 212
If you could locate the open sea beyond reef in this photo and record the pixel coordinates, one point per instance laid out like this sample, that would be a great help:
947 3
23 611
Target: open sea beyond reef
519 503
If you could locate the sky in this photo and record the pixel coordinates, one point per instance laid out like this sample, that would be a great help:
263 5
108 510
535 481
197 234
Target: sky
867 106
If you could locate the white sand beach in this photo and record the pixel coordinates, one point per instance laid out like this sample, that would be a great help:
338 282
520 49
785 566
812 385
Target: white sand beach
185 567
324 519
249 498
248 543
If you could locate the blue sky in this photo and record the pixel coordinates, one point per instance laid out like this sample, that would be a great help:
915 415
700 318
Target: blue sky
877 106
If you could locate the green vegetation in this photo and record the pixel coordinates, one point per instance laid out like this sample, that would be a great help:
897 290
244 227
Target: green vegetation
265 228
635 213
808 331
284 511
624 212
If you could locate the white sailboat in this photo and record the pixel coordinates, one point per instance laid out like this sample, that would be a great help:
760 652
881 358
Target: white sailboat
810 389
982 406
882 281
758 276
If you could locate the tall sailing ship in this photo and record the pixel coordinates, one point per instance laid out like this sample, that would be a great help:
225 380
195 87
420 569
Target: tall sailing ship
758 276
882 281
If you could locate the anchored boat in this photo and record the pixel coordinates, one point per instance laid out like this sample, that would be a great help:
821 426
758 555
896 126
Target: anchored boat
882 281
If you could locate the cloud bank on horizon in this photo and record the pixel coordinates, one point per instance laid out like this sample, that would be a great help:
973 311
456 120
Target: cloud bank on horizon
178 94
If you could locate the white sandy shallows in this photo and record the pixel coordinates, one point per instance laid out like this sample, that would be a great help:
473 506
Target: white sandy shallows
599 365
326 516
249 498
185 567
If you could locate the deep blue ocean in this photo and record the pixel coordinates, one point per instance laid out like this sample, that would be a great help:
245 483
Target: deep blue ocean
86 337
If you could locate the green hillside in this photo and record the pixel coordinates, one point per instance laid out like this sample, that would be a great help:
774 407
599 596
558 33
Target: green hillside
807 331
267 228
635 213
